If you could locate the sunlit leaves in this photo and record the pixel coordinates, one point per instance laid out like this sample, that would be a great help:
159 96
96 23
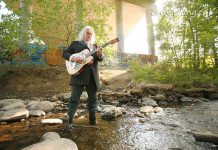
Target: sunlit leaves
187 31
64 19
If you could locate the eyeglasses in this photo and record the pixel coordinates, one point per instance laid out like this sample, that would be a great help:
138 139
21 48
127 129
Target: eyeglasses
88 33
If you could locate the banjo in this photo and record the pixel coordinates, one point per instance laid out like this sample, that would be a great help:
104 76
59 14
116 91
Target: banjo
74 68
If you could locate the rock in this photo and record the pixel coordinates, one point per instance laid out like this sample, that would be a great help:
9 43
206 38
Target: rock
194 94
139 101
17 105
178 95
22 120
64 117
80 112
59 102
82 105
171 98
141 120
206 137
150 92
156 86
3 123
55 98
146 101
159 97
82 117
14 114
66 96
36 99
108 99
84 97
163 103
51 121
140 114
36 113
150 114
213 96
31 103
122 109
158 109
146 109
186 99
204 99
115 103
44 106
135 91
52 141
50 136
99 109
111 112
124 100
5 102
105 106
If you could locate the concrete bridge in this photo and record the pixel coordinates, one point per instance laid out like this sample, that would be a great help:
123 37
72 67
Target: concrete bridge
127 15
144 5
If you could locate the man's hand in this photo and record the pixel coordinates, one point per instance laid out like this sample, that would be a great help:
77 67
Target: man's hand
77 60
91 62
99 52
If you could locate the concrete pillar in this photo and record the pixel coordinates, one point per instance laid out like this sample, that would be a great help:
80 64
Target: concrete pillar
79 16
150 32
25 24
119 27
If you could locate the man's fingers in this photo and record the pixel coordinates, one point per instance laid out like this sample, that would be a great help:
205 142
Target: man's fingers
79 61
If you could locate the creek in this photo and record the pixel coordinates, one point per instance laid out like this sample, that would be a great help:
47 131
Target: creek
169 130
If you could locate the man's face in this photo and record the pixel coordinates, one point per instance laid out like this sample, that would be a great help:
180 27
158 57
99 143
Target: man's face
88 35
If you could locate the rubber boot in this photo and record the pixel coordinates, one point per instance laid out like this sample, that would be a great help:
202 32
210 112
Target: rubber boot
70 120
92 118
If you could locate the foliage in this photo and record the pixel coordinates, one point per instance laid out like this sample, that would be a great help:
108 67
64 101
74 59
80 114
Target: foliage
22 17
8 37
188 31
56 22
8 32
180 77
65 19
14 32
97 17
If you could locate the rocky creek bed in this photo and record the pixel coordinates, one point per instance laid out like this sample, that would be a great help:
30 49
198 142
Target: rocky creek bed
129 126
33 106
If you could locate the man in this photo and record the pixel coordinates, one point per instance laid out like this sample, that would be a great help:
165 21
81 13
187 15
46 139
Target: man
88 78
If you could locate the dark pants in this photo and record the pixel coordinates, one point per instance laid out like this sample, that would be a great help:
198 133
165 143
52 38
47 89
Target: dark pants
75 97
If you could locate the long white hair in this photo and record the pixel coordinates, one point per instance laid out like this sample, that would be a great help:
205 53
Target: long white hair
83 32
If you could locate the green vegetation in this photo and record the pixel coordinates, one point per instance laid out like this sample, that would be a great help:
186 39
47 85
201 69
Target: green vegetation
56 22
65 19
187 31
180 77
188 34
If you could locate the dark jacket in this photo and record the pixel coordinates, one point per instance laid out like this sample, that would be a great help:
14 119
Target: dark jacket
83 78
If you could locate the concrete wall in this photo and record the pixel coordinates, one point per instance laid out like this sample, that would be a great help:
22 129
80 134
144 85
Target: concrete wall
132 22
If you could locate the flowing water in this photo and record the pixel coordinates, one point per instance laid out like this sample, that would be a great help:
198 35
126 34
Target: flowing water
170 130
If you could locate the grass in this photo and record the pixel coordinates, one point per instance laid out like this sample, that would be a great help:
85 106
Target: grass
181 78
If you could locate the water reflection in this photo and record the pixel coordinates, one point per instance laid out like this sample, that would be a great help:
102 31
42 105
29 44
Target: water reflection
168 130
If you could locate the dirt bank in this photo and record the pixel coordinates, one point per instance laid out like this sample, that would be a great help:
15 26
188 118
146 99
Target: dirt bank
45 81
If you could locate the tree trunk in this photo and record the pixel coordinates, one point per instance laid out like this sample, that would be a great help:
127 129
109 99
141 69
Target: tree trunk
197 48
215 56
